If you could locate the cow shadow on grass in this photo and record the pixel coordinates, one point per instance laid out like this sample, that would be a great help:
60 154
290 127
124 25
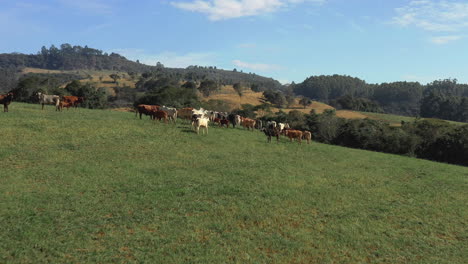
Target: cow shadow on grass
186 130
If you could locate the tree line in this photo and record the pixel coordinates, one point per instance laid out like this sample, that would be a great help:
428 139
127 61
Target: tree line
68 57
445 99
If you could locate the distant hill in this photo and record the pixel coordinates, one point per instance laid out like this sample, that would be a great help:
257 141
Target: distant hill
68 58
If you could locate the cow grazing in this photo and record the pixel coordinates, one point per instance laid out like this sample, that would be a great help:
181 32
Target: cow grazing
201 122
294 134
6 99
248 123
171 113
307 136
159 114
49 99
271 131
146 109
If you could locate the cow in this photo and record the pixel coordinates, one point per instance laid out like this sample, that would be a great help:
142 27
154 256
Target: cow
271 131
294 134
171 113
281 127
232 119
49 99
271 123
146 109
6 99
248 123
221 115
199 112
159 114
200 122
63 104
211 115
72 100
185 113
258 124
223 122
307 136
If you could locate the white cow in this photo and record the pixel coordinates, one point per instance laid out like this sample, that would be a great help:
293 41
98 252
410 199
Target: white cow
281 126
201 122
49 99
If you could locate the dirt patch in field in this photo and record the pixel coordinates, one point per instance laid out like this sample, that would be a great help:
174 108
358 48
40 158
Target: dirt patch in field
350 114
36 70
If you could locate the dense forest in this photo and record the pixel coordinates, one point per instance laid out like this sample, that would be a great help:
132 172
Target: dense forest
444 99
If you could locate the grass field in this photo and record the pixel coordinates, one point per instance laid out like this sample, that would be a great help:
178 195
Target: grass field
96 186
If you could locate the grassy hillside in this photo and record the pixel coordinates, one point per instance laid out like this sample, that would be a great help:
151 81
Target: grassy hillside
101 186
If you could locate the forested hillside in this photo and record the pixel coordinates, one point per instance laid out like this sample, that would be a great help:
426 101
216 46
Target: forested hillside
69 57
444 99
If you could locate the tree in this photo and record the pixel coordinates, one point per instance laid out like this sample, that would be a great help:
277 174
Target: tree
207 87
238 88
304 101
115 77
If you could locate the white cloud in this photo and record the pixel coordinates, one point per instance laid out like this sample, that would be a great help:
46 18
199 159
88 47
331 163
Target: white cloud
169 59
436 16
445 39
228 9
256 66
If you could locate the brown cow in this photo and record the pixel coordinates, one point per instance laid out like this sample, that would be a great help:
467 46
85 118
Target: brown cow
63 104
294 134
6 99
158 114
71 100
248 123
307 136
146 109
185 113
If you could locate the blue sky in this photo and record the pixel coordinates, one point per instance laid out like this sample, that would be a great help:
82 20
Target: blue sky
289 40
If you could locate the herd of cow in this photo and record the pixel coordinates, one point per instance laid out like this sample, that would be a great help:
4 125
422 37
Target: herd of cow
201 117
60 102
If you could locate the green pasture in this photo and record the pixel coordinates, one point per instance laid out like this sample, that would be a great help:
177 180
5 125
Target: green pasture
98 186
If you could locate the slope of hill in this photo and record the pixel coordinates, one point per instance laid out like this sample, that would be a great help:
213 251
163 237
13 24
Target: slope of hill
101 186
72 58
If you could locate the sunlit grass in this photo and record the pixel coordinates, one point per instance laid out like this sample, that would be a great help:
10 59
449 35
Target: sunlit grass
102 186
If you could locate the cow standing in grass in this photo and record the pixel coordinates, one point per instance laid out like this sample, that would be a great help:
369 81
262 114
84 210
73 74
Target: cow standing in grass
271 131
248 123
6 99
307 136
294 134
171 112
49 99
159 115
200 122
146 109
